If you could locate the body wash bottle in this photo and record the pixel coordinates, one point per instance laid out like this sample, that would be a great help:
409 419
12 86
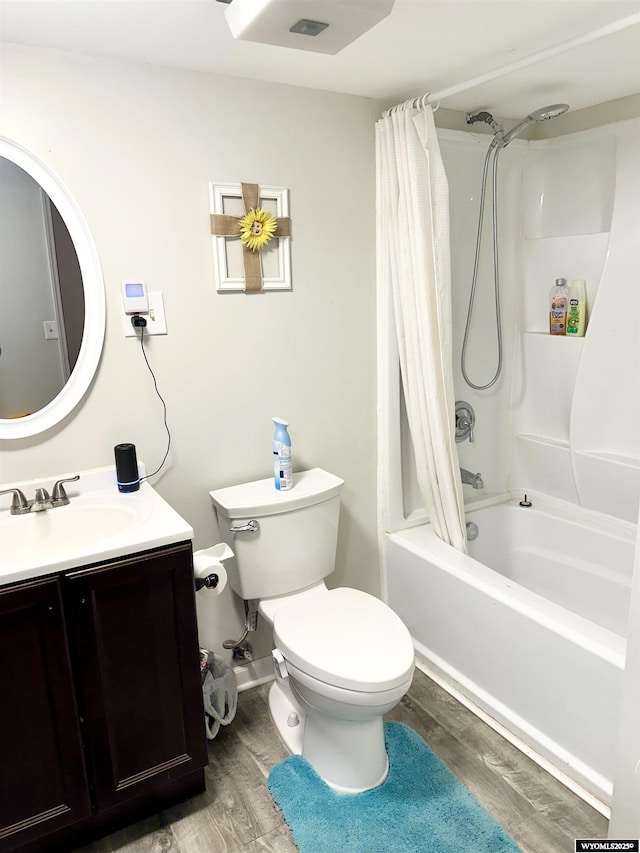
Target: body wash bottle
577 308
282 467
558 302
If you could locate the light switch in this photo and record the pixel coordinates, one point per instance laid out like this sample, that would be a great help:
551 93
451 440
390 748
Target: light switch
51 330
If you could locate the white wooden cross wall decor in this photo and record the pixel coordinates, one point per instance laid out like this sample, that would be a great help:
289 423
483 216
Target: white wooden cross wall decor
251 231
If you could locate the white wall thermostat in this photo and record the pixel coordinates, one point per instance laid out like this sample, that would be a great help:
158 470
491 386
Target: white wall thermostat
135 298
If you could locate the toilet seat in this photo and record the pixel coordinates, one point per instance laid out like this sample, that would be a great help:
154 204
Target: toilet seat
346 638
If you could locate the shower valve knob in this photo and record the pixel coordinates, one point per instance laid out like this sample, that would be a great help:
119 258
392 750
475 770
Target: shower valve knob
465 421
464 425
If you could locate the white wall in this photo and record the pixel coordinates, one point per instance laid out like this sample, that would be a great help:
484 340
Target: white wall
137 145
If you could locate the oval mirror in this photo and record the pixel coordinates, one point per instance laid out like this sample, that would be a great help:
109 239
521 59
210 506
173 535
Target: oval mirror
52 301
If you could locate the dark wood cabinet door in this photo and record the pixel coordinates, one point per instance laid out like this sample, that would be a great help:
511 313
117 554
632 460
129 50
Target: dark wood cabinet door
43 785
134 635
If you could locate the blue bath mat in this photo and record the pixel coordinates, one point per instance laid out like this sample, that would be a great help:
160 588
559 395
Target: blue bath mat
420 807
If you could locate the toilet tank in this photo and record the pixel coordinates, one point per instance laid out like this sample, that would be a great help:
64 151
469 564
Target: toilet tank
295 543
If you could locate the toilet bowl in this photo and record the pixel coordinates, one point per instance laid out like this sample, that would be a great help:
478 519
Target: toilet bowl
342 658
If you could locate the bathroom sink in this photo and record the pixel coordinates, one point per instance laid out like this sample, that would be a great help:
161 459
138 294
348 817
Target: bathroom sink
97 524
46 534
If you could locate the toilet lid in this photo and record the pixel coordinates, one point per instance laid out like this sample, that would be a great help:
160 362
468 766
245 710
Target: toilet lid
346 638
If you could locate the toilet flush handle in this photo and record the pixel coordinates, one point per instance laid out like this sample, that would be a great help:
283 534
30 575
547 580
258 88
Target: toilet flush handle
250 527
279 663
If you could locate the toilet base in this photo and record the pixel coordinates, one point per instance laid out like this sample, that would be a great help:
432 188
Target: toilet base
349 756
281 706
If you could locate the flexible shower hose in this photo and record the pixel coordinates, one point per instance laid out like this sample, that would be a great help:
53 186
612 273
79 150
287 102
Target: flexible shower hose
496 278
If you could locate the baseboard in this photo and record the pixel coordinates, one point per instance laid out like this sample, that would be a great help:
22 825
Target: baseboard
441 680
253 673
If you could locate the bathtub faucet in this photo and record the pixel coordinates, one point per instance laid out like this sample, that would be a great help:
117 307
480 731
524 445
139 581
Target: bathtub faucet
470 479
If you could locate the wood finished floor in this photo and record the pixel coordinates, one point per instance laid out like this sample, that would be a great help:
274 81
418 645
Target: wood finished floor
236 813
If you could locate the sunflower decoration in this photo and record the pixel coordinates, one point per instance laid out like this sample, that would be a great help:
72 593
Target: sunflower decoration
257 227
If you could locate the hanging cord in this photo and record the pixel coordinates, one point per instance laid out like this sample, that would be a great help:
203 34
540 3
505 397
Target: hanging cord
495 148
164 407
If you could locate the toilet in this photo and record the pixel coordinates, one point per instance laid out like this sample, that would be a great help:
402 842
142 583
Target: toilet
342 658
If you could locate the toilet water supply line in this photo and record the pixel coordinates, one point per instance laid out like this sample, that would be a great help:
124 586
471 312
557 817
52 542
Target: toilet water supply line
250 624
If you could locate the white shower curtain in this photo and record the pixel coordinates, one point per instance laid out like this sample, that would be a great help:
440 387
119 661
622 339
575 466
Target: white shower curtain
413 239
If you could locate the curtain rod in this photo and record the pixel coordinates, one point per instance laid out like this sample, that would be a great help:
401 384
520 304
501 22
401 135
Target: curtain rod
531 59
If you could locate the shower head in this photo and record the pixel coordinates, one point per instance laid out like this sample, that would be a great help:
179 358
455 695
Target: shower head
548 112
542 114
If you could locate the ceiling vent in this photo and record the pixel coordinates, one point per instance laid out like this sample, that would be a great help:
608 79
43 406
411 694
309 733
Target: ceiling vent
321 26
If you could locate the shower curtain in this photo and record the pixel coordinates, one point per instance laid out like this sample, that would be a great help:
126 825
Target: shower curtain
413 241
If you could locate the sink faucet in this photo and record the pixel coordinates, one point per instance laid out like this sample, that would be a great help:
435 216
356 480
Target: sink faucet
42 501
19 504
470 479
58 496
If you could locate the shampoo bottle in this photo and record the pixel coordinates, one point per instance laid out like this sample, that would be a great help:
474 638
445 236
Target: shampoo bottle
577 308
558 301
282 456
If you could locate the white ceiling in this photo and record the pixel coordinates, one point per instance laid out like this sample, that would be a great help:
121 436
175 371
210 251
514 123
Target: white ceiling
424 45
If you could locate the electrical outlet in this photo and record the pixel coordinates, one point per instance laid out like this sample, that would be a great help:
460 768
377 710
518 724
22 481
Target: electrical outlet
156 320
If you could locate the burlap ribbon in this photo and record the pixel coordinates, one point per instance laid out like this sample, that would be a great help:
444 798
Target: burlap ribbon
223 225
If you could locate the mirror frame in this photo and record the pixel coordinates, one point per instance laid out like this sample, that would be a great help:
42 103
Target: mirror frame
94 299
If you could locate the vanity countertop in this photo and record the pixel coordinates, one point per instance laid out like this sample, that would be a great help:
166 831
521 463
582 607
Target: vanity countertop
100 523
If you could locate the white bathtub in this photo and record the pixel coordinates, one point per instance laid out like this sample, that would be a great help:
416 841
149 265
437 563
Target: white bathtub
530 626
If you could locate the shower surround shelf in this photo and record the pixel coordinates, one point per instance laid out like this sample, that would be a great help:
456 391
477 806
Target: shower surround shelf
604 482
545 440
543 464
540 334
543 391
609 483
612 458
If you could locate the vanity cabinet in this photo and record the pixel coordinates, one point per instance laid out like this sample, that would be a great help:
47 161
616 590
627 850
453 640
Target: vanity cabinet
43 783
101 716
